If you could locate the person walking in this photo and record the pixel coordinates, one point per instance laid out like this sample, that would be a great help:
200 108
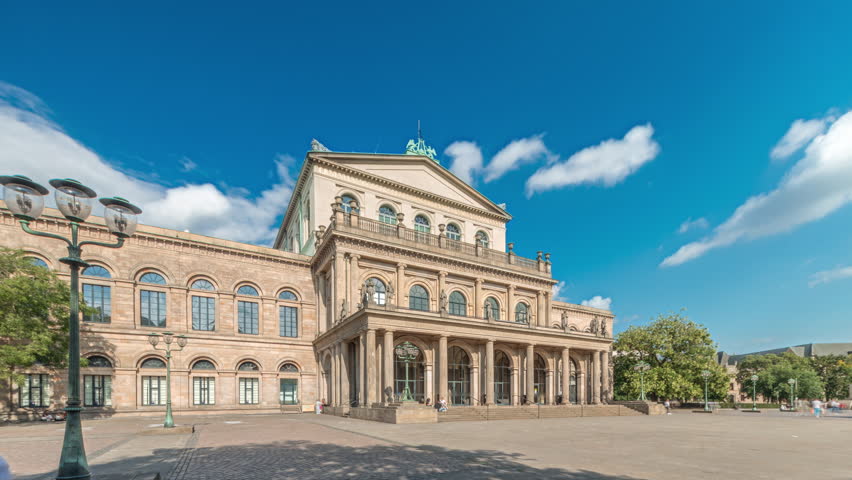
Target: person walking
318 406
668 406
817 404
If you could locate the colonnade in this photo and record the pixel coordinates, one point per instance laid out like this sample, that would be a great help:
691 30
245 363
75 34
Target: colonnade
361 370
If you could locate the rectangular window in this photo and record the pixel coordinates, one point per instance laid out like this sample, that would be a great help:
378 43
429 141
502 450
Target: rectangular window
153 390
247 317
99 298
153 308
203 391
97 390
249 391
203 313
35 391
288 323
289 391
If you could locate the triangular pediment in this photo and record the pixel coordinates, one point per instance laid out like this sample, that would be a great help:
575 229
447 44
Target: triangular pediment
419 172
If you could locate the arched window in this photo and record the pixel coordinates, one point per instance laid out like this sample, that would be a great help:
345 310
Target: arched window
202 284
97 297
381 294
289 368
458 376
248 367
96 271
387 215
97 389
347 201
453 232
458 304
248 290
410 374
99 361
418 298
522 313
421 224
153 278
153 363
491 308
482 239
288 295
203 365
540 379
38 262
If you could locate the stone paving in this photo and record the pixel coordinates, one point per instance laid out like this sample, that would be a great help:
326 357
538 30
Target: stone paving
680 446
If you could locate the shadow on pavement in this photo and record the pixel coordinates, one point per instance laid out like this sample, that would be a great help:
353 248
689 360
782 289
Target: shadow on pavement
309 460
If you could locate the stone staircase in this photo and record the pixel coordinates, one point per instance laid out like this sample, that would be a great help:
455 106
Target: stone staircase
463 414
533 412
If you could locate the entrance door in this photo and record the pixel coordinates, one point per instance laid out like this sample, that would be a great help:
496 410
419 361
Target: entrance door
289 394
502 379
540 379
459 376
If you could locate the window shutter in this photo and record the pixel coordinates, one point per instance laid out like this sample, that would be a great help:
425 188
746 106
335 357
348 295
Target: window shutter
162 391
88 390
196 391
47 389
108 390
242 390
25 392
145 389
211 391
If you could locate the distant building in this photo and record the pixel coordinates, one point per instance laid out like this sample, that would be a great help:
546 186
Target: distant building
807 350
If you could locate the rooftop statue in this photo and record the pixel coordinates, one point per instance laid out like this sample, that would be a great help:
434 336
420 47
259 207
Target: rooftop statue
420 148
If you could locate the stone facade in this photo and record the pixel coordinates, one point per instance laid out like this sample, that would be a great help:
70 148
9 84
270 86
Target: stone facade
383 272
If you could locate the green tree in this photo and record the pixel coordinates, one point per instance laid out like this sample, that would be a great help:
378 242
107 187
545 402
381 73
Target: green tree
835 372
33 315
677 350
775 371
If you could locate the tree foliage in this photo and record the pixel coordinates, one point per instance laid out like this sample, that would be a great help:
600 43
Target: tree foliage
774 373
677 350
33 315
835 371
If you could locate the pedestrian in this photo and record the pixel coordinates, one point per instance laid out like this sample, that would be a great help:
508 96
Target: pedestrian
817 404
668 405
442 404
318 406
5 471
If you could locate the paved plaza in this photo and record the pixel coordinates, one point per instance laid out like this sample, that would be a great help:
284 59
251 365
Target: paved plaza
679 446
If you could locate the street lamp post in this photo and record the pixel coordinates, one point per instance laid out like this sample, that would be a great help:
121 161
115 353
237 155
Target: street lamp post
25 199
168 338
754 379
792 383
407 352
642 367
706 374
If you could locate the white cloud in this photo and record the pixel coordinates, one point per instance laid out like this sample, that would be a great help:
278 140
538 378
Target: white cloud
187 165
827 276
515 154
800 133
817 185
690 224
598 302
467 159
558 289
607 163
31 144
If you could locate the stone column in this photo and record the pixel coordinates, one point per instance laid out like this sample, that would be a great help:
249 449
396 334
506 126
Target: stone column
550 398
387 381
378 395
400 285
443 373
478 299
516 381
581 384
547 308
596 378
339 279
353 287
344 374
348 264
539 309
333 291
566 376
320 286
362 369
489 372
428 382
370 381
335 377
530 356
604 376
510 303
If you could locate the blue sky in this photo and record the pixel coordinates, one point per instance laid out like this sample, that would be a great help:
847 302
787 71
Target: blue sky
202 114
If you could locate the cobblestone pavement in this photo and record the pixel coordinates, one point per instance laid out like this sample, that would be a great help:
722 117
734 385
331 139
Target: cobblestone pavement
682 446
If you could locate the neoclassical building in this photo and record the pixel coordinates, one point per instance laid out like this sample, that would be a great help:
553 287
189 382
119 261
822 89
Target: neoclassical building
390 285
